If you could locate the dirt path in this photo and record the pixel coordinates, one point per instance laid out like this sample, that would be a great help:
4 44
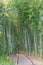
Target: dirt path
23 60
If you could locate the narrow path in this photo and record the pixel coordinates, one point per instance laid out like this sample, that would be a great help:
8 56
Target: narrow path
23 60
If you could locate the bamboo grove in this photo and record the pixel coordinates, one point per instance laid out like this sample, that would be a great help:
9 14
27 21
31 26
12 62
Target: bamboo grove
21 26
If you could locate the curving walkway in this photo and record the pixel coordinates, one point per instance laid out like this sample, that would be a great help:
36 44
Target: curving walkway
23 60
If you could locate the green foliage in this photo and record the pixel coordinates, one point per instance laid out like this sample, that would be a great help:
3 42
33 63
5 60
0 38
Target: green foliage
15 18
6 62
